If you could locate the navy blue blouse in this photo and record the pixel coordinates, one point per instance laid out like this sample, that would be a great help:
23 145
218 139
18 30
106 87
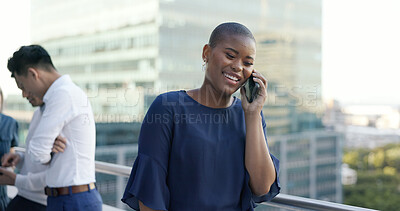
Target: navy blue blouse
8 139
191 157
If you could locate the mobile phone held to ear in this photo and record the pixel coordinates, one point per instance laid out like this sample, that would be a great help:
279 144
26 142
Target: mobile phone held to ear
251 88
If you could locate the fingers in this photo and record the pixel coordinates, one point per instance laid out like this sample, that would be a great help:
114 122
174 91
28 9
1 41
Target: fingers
61 139
262 90
4 171
261 80
9 159
7 177
3 159
59 144
57 149
243 95
258 75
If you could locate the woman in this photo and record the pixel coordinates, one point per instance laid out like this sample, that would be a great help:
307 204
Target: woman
204 149
8 139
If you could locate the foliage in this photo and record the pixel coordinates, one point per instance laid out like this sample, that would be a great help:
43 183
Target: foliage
374 191
378 177
375 159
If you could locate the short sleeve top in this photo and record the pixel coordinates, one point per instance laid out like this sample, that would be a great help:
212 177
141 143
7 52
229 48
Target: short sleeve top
8 133
191 157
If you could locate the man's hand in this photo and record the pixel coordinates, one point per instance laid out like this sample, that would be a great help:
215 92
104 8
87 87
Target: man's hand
59 144
7 177
10 159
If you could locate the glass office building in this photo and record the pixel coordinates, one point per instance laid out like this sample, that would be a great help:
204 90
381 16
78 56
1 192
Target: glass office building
120 51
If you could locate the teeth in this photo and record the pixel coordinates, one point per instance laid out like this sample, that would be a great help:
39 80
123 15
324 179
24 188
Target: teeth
231 77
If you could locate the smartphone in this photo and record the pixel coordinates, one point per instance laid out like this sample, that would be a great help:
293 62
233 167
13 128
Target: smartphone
251 88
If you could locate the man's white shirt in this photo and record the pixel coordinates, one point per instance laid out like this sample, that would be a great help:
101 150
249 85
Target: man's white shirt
31 179
67 113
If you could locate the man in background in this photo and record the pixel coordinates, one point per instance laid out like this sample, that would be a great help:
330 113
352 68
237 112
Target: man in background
70 176
30 181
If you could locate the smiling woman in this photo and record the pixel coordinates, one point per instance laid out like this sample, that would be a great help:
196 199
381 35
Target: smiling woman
201 163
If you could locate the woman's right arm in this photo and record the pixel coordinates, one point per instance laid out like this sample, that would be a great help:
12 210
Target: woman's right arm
148 179
143 207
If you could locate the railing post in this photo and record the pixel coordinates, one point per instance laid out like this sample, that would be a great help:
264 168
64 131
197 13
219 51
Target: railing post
120 180
313 167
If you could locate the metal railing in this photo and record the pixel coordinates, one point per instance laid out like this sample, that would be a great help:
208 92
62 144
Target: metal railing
285 201
288 202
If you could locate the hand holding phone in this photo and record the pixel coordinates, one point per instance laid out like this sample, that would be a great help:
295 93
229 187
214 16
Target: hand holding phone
251 88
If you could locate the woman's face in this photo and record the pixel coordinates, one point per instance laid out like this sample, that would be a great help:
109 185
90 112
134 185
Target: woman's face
229 63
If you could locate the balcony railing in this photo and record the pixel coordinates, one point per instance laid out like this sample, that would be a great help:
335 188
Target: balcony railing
282 201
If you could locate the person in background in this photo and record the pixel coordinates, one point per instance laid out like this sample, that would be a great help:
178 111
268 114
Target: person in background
70 177
8 139
31 179
204 149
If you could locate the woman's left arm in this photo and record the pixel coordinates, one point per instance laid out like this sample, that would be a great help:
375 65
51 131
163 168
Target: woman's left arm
257 157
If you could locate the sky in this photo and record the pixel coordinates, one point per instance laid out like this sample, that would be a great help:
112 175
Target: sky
360 51
360 48
15 31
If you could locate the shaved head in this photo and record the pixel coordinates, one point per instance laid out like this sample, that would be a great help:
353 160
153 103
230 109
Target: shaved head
229 28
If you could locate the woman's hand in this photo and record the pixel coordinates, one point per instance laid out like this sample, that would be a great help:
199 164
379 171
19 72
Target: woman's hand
258 103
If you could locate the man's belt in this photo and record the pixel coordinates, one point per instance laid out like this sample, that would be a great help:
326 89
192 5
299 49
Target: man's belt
66 190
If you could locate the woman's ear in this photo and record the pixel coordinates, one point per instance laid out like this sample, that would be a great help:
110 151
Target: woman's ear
206 52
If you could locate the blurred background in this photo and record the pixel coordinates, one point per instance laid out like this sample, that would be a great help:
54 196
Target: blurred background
332 113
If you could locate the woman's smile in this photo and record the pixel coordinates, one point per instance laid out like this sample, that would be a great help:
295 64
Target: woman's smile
231 78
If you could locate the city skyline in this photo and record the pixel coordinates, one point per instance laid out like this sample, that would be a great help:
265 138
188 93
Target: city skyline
355 71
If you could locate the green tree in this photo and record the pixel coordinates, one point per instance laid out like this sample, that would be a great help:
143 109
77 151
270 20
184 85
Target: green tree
393 157
373 190
377 158
378 181
351 158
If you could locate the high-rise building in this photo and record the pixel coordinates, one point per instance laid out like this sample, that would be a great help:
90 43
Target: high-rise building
120 51
310 164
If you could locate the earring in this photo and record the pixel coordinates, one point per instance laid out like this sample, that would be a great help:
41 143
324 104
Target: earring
203 67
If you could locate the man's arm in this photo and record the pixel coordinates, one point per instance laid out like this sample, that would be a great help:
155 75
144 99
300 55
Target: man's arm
31 181
59 145
58 112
